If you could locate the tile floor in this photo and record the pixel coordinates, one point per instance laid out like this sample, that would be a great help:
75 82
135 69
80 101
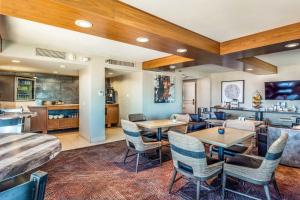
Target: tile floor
73 140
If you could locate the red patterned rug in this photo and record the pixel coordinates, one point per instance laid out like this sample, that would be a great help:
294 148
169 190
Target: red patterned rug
98 173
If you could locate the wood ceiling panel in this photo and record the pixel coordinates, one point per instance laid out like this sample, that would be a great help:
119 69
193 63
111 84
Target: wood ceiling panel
262 39
165 61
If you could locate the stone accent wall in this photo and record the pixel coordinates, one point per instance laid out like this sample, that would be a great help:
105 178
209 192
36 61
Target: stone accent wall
56 87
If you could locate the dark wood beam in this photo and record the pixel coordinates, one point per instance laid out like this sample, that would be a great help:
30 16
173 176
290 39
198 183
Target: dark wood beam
256 66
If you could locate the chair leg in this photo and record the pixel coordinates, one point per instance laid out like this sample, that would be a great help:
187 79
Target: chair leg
172 180
198 190
160 159
126 156
267 191
137 162
223 185
276 188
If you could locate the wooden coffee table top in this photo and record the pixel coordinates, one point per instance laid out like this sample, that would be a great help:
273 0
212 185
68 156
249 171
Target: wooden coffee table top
163 123
21 153
229 138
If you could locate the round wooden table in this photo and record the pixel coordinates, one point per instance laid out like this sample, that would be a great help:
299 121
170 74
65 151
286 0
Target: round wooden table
21 153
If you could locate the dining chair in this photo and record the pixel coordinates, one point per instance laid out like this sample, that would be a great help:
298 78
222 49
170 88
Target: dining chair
190 160
14 125
240 148
254 169
34 189
137 143
180 129
139 117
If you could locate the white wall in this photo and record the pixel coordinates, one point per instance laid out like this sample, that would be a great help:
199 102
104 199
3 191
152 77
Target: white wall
252 83
129 89
203 92
92 100
160 110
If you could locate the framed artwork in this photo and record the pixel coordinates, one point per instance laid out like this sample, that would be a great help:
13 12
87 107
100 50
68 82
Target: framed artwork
232 90
164 89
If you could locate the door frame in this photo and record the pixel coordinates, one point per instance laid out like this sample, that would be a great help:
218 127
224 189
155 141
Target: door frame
195 81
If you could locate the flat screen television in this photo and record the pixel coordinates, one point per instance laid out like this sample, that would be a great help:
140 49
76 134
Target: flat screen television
282 90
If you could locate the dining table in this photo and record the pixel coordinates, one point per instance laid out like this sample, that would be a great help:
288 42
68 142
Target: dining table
159 125
230 137
21 153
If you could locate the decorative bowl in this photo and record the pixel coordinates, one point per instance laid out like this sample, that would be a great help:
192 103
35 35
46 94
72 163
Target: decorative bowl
50 116
221 131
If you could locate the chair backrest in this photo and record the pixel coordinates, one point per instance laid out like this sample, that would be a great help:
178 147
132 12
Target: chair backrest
34 189
273 157
239 124
183 118
137 117
13 110
132 135
188 154
14 125
220 115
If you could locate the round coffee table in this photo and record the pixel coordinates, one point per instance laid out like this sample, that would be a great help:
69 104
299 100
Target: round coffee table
21 153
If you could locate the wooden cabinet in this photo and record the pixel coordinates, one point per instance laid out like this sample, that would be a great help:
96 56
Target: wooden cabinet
111 114
44 124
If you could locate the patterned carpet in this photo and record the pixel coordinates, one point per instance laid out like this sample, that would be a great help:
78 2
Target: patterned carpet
98 173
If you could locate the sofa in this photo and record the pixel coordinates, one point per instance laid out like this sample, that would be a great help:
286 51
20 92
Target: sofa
196 123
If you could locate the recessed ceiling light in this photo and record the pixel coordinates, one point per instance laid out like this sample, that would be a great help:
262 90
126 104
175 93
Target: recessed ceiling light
181 50
291 45
172 66
142 39
83 23
55 72
110 73
249 69
15 61
62 66
35 77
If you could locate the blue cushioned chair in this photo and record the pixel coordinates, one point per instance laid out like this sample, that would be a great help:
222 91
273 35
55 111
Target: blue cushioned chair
34 189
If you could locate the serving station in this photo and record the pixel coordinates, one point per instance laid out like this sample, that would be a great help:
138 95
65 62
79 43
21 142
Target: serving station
55 117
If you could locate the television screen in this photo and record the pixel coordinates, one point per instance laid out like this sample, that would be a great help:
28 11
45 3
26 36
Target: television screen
283 90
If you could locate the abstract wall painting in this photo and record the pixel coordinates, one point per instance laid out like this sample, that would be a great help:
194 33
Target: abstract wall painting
164 89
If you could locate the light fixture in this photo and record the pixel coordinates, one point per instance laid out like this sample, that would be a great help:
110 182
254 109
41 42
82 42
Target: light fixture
83 59
70 56
35 77
292 45
55 72
181 50
15 61
62 66
83 23
142 39
110 73
249 69
172 66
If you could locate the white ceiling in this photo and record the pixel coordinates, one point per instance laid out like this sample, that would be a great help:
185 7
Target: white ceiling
38 66
201 71
283 59
223 20
45 36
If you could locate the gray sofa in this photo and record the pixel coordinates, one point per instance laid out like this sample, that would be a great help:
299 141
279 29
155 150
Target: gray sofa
291 154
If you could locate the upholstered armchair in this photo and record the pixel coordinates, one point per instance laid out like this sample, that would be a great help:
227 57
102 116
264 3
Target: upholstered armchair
136 142
238 148
256 170
189 159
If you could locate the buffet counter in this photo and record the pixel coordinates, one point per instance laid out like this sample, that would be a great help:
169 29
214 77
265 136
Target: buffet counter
54 117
